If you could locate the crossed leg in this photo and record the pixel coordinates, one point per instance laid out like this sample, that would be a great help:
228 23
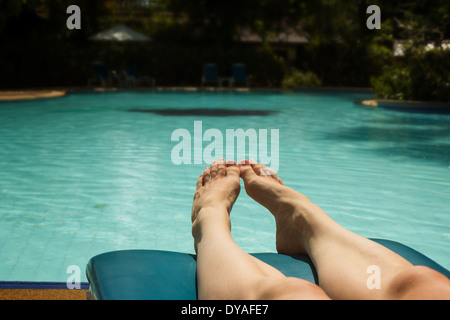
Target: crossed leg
341 257
224 271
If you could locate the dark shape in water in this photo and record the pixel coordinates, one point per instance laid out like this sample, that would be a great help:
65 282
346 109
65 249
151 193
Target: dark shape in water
205 112
415 106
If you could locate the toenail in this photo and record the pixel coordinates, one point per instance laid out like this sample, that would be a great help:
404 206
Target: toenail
244 162
230 162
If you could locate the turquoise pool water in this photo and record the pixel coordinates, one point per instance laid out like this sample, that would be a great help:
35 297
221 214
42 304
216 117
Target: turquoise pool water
81 175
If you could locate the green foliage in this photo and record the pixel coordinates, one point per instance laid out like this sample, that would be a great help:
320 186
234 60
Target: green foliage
394 83
298 78
420 74
11 9
423 77
36 48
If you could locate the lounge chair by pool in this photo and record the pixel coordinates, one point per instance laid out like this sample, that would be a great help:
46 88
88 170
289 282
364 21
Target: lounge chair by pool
165 275
210 74
133 78
239 74
103 76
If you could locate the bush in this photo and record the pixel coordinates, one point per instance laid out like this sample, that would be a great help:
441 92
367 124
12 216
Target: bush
298 78
394 83
421 76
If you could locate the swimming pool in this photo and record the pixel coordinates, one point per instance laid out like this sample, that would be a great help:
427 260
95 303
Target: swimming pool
82 174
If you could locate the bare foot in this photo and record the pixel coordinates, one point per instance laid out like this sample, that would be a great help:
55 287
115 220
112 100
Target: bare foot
289 207
217 190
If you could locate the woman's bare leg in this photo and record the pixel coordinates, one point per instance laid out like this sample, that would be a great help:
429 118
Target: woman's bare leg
345 261
224 271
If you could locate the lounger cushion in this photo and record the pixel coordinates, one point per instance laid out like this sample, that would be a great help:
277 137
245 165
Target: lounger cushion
165 275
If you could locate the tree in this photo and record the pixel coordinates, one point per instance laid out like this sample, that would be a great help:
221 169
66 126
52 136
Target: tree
421 74
12 9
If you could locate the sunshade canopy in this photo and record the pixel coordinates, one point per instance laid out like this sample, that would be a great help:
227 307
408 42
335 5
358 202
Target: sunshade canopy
119 32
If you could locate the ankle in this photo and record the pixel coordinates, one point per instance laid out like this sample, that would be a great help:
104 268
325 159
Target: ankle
208 218
302 218
290 202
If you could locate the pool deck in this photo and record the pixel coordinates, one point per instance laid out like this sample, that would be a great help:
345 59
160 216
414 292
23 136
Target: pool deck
368 103
23 290
30 94
25 94
42 294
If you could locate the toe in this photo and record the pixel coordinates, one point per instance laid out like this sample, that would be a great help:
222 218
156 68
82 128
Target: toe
199 182
213 169
232 169
221 168
266 171
246 171
257 167
206 175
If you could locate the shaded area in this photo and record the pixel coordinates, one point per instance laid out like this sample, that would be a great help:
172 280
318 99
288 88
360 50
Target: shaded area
437 109
413 138
206 112
296 265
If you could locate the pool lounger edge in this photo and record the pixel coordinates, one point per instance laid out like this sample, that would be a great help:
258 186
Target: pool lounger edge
166 275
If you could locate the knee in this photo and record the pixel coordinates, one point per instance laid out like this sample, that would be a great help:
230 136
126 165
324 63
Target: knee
419 282
292 289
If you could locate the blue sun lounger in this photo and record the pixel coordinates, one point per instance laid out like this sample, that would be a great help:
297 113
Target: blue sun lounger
210 74
165 275
239 74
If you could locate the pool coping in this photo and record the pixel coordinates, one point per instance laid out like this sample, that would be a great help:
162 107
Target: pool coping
17 95
39 285
56 92
408 106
